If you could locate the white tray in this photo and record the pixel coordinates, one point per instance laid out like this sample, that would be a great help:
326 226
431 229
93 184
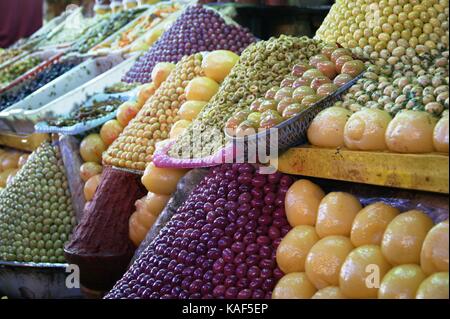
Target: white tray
22 122
70 80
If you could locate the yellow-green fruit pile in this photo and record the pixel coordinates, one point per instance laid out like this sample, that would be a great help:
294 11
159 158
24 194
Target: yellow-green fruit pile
382 26
134 148
262 66
36 213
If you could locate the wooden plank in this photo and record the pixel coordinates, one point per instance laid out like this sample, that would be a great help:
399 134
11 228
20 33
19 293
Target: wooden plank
426 172
25 143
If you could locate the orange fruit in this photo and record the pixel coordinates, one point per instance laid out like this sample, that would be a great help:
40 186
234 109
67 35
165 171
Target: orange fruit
302 202
110 131
362 271
325 259
178 128
92 148
201 88
336 213
404 236
89 169
137 231
190 109
434 254
295 246
91 187
401 282
218 64
161 72
370 223
161 180
294 286
126 112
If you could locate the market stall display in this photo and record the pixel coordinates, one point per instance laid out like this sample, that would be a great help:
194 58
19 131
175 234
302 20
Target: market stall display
154 121
162 183
261 67
106 27
93 145
32 85
142 32
224 249
96 109
375 130
141 93
380 27
43 181
85 70
136 154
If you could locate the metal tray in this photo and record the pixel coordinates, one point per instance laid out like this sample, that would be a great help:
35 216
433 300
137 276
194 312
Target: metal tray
99 47
22 122
85 71
35 281
82 127
287 134
105 45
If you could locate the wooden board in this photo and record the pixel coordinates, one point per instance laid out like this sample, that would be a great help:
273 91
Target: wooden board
426 172
24 143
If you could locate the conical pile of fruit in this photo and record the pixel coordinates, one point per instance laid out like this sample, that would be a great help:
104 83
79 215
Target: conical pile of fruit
221 242
386 25
198 29
36 214
134 148
261 67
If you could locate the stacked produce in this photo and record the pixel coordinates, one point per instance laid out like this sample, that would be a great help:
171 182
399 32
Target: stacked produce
93 145
197 29
307 84
161 183
91 150
104 29
380 27
32 85
36 214
335 240
220 243
15 70
10 163
134 148
404 81
100 245
144 32
261 67
375 130
408 45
